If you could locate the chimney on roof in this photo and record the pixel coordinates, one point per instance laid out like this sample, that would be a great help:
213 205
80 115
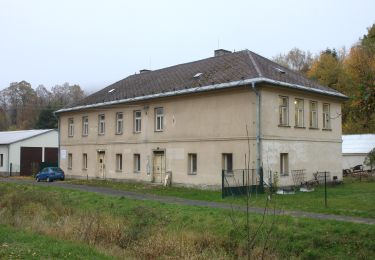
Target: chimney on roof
144 70
221 52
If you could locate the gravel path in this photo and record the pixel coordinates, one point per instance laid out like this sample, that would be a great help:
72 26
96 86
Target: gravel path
181 201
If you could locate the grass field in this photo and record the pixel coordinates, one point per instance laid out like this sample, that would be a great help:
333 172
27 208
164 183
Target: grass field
123 228
18 244
352 198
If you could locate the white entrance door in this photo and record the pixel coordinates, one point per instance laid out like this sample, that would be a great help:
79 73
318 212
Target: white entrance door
101 165
158 167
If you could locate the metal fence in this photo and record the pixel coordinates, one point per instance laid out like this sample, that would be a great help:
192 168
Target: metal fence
240 182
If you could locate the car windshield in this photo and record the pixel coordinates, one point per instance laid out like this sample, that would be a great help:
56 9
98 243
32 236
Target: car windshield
56 169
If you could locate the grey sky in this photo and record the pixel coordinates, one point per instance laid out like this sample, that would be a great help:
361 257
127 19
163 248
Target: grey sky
95 43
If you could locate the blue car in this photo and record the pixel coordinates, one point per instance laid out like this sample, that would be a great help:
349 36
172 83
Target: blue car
50 174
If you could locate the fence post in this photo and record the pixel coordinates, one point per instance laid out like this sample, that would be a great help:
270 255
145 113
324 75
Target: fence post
222 184
325 188
243 177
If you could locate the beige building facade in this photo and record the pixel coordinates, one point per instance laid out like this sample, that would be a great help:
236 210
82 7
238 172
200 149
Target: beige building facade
193 134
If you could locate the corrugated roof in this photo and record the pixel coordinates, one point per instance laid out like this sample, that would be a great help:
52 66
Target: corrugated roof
358 143
238 67
8 137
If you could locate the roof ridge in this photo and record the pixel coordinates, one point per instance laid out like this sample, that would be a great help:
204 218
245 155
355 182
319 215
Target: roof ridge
254 63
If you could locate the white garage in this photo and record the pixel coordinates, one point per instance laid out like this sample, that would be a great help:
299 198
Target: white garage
23 152
355 148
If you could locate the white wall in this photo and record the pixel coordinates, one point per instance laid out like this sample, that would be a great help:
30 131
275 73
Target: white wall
351 160
49 139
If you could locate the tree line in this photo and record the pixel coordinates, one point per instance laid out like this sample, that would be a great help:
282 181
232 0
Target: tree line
22 107
350 72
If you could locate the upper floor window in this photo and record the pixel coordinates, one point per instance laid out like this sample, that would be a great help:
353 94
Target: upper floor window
85 126
192 163
283 111
101 125
119 123
313 114
70 127
137 121
159 118
326 117
299 112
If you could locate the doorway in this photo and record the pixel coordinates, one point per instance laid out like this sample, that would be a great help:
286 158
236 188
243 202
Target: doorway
158 166
101 165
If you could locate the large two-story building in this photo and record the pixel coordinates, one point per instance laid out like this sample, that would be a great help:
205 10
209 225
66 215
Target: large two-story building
197 118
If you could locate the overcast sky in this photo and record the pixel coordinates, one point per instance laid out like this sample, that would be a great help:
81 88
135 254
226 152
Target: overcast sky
95 43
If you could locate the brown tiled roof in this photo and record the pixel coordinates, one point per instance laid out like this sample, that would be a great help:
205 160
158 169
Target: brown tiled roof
232 67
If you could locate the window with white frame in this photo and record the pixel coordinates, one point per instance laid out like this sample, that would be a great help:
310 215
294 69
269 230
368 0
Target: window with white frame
228 162
137 121
119 123
313 114
283 111
299 112
192 163
284 164
119 162
84 161
70 161
326 117
1 160
70 127
85 125
137 162
159 119
101 125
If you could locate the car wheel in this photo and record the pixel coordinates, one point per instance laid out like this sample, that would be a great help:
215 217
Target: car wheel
48 179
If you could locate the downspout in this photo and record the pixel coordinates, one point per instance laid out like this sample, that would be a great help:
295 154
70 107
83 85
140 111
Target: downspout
58 138
258 128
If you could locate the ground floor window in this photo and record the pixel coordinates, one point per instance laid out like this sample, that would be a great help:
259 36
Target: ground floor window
70 161
84 161
118 162
1 160
192 163
284 164
137 162
227 162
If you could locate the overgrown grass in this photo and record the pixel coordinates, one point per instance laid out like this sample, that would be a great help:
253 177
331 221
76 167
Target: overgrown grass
17 244
126 228
352 198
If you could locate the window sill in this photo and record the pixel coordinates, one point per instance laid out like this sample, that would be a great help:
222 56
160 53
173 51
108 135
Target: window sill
326 129
284 126
118 170
84 135
314 128
137 132
137 172
300 127
70 136
284 175
192 173
159 131
69 168
101 134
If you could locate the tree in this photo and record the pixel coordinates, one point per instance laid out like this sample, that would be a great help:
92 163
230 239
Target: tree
46 119
370 159
296 59
360 67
